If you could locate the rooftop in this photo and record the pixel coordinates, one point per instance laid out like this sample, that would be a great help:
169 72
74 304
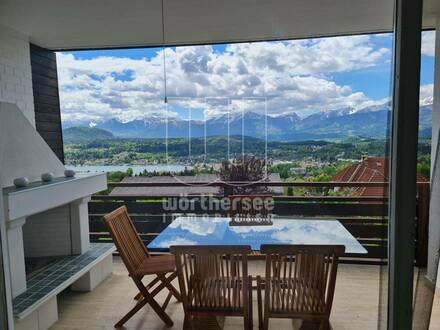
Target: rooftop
180 191
369 169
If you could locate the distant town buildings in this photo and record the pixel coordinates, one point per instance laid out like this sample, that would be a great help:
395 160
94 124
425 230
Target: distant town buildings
298 171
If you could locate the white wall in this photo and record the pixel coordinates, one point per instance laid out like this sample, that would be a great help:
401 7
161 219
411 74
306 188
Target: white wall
434 212
22 150
15 72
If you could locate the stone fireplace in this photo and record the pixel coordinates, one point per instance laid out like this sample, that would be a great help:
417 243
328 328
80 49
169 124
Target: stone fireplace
47 220
47 225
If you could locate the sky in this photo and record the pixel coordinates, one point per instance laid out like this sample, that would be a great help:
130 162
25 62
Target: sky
301 76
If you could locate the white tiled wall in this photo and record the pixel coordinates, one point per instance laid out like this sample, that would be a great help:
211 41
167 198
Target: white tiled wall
15 71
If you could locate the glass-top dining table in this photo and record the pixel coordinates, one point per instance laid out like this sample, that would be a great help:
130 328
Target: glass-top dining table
218 231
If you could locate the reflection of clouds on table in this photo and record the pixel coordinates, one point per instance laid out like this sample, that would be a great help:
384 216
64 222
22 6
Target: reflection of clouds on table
216 230
198 226
299 232
311 234
175 241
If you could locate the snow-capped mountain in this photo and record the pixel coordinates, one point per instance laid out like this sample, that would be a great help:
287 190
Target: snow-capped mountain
371 121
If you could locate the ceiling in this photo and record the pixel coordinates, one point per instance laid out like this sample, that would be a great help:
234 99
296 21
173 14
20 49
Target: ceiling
86 24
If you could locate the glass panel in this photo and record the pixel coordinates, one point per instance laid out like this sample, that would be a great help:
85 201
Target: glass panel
316 113
111 102
426 313
311 116
383 243
226 146
187 127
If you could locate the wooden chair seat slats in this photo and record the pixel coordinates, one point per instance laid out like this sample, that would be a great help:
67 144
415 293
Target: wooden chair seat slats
157 265
287 298
215 293
139 263
214 281
300 282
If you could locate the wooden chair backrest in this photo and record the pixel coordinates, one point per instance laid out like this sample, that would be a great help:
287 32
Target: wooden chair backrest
130 246
201 269
250 206
308 269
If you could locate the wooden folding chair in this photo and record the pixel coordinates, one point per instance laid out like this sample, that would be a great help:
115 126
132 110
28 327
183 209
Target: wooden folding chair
214 282
300 282
139 263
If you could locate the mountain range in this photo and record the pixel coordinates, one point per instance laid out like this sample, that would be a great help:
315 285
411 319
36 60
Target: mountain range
370 122
84 134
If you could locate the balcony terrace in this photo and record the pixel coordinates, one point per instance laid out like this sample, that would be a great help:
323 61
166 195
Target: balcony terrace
31 144
358 286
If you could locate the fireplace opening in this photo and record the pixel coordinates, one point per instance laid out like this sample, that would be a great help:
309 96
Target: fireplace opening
35 266
46 239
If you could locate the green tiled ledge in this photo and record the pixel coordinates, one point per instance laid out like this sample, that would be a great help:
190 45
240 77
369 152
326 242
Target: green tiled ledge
58 276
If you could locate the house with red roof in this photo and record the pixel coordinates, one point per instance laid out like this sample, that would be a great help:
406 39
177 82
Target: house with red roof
368 169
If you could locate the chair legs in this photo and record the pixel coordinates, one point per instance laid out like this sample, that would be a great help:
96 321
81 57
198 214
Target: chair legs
133 311
148 286
154 305
138 296
188 323
263 316
259 302
248 318
170 286
324 325
248 322
148 298
265 322
162 277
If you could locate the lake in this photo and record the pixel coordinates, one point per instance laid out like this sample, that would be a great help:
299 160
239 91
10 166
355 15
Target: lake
136 168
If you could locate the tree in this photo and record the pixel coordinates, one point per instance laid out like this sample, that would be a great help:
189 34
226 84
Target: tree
244 169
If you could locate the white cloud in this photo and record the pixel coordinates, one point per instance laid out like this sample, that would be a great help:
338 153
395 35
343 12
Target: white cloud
426 94
196 226
428 43
313 56
292 76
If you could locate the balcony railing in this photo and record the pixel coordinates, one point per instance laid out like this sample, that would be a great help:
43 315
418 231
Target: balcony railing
364 217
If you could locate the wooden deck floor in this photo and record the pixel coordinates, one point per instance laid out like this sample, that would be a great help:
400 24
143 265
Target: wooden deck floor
355 305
